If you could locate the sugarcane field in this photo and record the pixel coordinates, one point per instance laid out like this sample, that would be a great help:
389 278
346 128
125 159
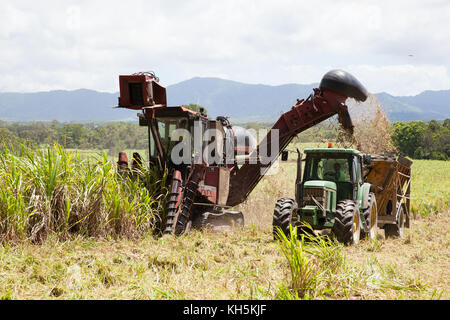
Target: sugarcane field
229 158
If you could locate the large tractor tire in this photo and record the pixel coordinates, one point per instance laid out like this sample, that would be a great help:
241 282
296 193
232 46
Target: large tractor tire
347 227
282 216
396 230
370 215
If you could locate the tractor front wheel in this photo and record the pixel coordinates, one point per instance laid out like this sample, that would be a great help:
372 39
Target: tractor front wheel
282 216
347 227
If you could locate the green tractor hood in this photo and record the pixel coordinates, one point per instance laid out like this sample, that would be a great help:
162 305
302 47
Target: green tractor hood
321 183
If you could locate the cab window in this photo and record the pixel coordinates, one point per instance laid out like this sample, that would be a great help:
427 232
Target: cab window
165 128
357 169
328 167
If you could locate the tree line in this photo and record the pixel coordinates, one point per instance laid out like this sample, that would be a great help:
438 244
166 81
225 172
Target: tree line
420 140
113 136
415 139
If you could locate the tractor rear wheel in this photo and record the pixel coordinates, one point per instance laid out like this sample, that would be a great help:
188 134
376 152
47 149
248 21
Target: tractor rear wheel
347 227
282 216
396 230
371 217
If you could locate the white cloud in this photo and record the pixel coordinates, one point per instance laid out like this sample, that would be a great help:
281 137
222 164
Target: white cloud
67 45
402 79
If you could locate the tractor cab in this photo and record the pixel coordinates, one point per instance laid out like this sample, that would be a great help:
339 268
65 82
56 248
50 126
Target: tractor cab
340 168
332 183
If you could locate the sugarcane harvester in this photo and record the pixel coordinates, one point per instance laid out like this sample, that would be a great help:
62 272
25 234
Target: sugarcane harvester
207 182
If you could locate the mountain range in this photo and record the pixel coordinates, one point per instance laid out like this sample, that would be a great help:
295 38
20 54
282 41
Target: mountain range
239 101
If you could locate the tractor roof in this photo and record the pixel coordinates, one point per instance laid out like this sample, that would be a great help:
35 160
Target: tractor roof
333 150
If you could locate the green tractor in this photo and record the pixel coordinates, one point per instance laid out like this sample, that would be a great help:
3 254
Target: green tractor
332 196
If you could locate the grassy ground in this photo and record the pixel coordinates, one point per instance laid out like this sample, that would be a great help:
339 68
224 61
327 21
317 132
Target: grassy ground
244 263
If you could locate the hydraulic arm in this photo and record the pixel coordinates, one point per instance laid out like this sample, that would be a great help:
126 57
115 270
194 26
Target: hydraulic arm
326 101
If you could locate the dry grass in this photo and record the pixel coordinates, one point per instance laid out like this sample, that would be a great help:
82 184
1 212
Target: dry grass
237 265
416 266
258 208
241 264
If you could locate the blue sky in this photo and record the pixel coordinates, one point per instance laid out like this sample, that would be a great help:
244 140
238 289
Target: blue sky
400 47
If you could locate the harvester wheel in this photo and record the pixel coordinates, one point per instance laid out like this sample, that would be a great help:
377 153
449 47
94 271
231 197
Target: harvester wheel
371 217
282 216
396 230
347 227
173 203
179 206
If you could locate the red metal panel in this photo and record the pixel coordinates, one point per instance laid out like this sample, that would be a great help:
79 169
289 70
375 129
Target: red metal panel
212 176
147 92
210 183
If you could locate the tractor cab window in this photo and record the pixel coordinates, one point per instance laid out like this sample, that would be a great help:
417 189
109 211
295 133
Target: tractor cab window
152 146
357 169
328 167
